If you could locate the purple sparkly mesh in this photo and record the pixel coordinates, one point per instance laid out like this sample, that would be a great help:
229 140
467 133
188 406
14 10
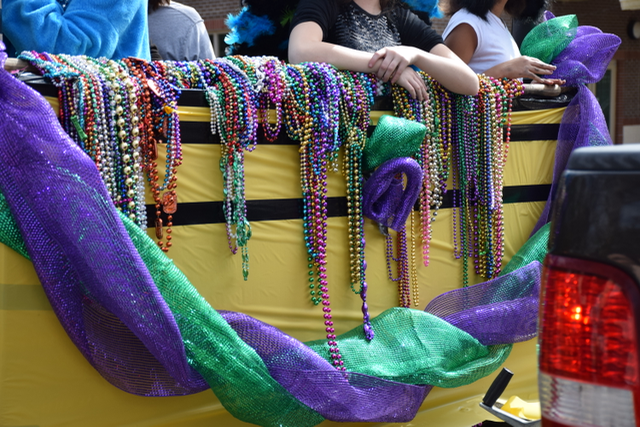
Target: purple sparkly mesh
103 294
501 311
88 272
583 61
314 381
386 198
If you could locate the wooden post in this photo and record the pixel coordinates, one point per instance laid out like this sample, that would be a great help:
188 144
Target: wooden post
13 64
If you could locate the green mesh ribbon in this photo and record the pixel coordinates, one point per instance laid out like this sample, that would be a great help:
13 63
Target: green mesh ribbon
547 39
534 249
411 346
415 347
393 137
445 357
9 232
235 372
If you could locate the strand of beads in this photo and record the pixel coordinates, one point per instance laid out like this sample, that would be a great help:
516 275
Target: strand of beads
508 89
464 178
412 109
128 135
97 109
267 75
482 210
479 158
309 112
234 118
164 127
356 100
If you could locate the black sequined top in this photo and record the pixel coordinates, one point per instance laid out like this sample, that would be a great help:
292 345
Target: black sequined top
347 24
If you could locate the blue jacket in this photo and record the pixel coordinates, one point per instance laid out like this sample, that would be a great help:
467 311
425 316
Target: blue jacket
111 28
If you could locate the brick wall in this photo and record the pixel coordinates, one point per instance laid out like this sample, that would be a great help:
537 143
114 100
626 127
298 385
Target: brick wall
214 12
607 16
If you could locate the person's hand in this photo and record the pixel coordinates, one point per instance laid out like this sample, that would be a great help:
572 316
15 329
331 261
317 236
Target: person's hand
532 68
413 83
389 63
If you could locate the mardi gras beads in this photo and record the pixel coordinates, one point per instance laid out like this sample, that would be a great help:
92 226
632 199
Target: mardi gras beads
307 113
356 99
160 124
233 103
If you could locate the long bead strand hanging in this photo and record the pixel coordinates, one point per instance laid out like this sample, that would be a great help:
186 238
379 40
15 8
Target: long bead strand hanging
420 111
164 128
308 114
234 118
98 110
356 99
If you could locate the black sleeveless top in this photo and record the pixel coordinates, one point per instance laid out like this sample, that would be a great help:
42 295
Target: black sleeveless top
347 24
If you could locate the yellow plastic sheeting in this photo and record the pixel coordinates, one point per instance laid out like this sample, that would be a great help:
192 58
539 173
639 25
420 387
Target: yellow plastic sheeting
45 381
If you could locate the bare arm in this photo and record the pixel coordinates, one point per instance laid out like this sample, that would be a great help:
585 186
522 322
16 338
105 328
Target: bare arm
525 67
440 63
463 41
305 44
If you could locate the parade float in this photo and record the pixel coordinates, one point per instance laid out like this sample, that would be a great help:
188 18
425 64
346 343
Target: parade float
225 225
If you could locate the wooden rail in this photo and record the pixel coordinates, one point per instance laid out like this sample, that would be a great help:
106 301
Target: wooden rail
13 64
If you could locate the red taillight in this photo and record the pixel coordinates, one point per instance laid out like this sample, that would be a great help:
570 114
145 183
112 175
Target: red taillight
588 342
588 328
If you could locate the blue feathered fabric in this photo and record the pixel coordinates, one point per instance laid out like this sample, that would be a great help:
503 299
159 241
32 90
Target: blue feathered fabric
113 29
428 6
247 27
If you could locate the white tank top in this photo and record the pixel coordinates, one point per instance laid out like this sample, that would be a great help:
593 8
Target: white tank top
495 43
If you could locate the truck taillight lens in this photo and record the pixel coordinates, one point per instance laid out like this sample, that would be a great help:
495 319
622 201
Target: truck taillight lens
588 350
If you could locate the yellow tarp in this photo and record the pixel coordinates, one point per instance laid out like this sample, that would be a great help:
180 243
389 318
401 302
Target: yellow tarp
45 381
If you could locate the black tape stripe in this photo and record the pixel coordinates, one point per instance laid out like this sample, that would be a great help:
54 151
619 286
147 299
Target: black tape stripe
281 209
200 133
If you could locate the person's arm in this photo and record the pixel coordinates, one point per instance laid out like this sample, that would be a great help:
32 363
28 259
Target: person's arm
306 45
440 63
525 67
463 41
86 27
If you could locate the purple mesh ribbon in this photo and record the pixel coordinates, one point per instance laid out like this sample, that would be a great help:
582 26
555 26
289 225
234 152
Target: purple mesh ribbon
583 61
386 198
88 273
316 383
500 311
104 296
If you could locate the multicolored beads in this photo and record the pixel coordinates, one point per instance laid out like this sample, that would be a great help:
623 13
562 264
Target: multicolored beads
119 111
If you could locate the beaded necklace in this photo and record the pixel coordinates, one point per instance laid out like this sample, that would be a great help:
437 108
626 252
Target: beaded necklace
430 195
310 114
479 158
160 123
356 101
234 118
97 109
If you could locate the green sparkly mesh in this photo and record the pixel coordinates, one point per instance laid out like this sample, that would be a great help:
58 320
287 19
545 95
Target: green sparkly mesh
235 372
534 249
445 356
10 234
547 39
393 137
